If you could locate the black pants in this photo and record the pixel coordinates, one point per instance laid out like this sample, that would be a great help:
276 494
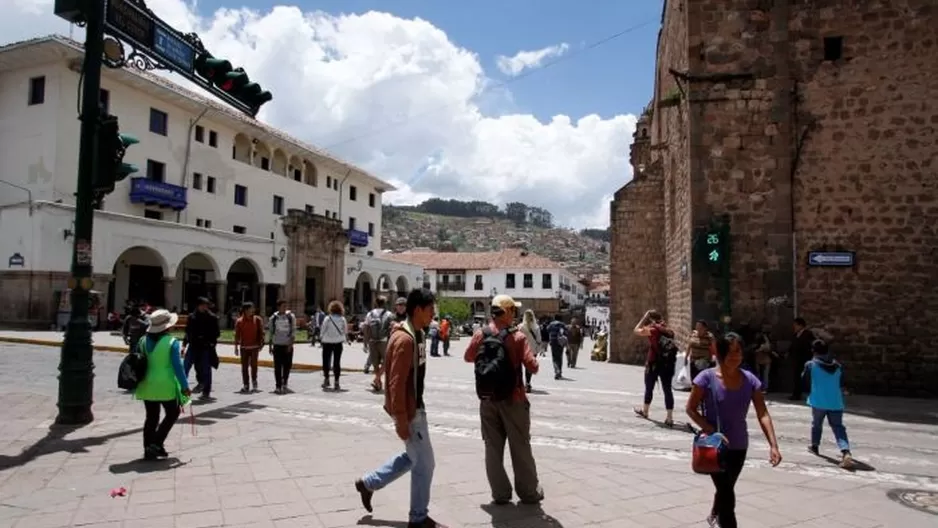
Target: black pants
724 499
652 375
283 362
332 360
556 354
155 431
797 366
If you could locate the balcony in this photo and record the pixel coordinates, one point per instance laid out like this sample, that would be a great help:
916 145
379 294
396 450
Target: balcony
357 238
451 286
157 193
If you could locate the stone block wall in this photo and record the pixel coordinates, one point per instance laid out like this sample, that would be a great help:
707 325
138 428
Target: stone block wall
867 181
29 297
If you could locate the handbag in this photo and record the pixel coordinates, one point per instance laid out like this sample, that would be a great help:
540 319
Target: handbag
707 458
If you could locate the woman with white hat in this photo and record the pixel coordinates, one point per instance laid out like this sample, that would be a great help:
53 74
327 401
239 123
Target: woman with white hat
164 385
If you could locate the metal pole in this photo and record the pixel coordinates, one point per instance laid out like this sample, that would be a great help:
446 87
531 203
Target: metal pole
185 161
76 369
341 191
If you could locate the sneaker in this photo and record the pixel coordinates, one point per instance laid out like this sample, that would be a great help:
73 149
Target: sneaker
197 388
205 396
161 452
325 383
278 390
501 502
151 452
254 386
286 390
847 461
426 523
712 521
814 450
245 390
337 386
365 493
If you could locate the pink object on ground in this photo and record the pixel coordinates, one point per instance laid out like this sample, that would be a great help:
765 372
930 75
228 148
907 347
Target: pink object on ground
119 492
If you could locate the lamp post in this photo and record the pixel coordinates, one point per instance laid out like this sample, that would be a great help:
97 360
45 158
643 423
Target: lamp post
492 294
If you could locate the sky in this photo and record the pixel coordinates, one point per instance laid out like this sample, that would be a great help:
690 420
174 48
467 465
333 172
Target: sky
512 100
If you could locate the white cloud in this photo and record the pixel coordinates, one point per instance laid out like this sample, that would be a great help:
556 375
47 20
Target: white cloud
526 60
397 97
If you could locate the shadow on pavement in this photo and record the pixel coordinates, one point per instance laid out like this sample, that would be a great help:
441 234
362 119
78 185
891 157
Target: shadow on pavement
55 442
146 466
223 413
857 465
520 516
368 520
889 409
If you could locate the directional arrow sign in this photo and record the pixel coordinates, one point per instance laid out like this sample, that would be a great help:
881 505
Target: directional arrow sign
838 259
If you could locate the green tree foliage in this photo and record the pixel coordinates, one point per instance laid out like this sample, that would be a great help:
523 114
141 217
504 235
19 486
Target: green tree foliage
603 235
458 309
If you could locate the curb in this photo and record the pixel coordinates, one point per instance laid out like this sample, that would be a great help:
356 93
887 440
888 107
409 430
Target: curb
123 350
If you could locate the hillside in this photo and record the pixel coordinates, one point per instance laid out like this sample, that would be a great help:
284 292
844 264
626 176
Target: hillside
409 227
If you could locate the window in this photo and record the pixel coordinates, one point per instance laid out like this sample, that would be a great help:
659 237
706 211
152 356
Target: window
371 199
335 184
478 283
327 214
509 280
208 224
278 205
234 152
241 195
528 280
371 229
105 100
152 215
239 229
159 122
297 175
213 139
200 133
335 215
351 222
156 171
310 209
833 48
352 193
37 91
265 163
199 222
197 180
210 184
547 281
329 181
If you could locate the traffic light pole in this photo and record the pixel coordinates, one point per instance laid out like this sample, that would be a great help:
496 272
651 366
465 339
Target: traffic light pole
76 368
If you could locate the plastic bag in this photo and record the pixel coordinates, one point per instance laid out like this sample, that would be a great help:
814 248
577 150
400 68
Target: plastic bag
682 382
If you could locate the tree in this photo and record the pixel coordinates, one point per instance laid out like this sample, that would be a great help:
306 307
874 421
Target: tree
517 212
458 309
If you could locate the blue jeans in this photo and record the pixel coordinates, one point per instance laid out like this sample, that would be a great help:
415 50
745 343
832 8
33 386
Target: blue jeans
434 346
201 359
416 458
836 421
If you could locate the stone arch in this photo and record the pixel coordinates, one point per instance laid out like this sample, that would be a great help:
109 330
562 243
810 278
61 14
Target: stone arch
402 286
363 296
310 174
278 163
195 276
243 283
260 151
241 149
138 276
295 169
384 283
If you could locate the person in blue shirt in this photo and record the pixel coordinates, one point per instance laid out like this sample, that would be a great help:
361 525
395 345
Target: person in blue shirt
823 378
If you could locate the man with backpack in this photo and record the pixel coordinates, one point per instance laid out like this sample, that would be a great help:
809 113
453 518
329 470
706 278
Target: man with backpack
377 329
282 337
499 350
659 362
557 338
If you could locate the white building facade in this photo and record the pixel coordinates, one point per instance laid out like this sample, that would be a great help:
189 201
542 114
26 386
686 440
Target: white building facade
206 215
537 282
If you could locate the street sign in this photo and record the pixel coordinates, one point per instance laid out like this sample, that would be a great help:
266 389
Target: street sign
172 48
130 20
83 253
834 259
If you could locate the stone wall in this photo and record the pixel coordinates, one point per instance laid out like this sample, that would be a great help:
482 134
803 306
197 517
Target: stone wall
867 181
637 279
29 297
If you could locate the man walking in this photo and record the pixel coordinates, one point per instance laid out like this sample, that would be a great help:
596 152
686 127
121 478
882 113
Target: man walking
574 342
405 371
799 354
282 336
377 329
499 350
198 346
400 310
556 335
249 340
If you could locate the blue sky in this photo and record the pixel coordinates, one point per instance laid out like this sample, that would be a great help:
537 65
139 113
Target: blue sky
614 78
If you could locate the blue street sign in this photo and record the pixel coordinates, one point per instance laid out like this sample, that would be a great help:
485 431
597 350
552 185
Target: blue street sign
176 51
837 259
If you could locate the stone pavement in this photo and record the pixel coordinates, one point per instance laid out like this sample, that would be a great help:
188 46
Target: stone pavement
288 461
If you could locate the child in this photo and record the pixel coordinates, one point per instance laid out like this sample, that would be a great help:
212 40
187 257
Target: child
823 377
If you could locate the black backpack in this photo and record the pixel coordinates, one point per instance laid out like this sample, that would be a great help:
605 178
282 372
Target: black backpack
667 352
495 375
133 368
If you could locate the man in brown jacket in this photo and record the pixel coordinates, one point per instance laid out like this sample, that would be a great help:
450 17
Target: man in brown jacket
506 418
405 370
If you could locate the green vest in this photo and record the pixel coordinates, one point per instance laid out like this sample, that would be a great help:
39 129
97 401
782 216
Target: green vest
160 383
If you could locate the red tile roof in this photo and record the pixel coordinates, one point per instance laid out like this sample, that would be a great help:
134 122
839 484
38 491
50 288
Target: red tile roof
507 259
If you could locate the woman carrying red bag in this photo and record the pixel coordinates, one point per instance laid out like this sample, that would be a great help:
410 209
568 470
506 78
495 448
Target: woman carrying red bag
726 392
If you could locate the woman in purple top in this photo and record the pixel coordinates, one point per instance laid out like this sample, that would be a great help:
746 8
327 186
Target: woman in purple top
726 391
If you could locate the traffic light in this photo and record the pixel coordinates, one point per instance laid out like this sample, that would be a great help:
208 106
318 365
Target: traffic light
233 81
112 145
712 247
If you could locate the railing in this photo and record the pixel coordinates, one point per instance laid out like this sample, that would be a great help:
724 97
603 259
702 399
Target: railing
161 194
451 286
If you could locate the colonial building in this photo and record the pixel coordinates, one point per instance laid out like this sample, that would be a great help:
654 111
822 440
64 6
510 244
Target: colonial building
806 131
537 282
222 206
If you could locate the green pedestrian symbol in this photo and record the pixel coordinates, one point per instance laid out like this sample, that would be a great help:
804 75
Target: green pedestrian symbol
714 256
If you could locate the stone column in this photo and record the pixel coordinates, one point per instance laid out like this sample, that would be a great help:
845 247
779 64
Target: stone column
168 297
221 298
262 299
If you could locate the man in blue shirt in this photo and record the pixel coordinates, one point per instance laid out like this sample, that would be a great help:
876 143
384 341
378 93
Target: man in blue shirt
823 377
